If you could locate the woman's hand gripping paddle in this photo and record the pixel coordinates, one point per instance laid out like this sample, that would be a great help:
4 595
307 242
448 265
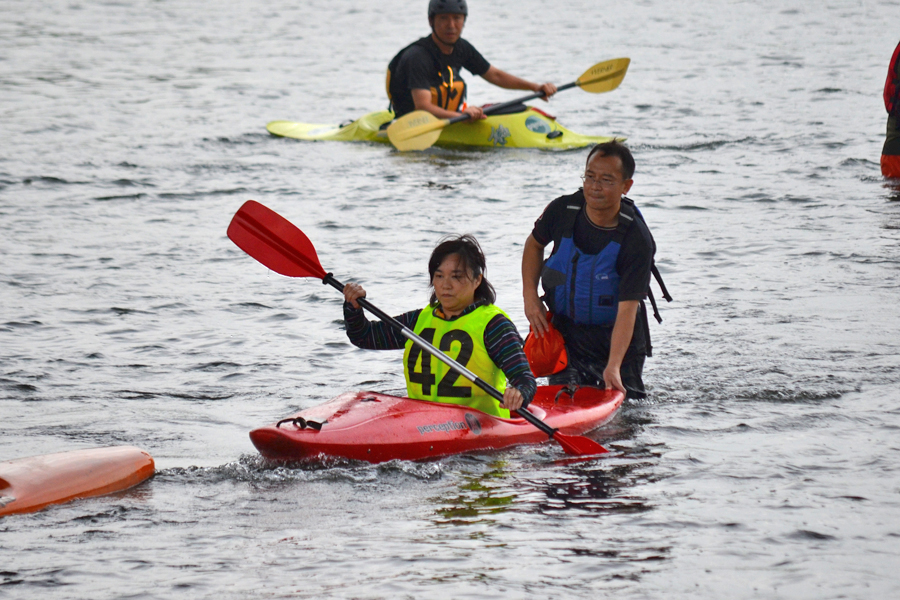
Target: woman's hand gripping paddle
420 129
278 244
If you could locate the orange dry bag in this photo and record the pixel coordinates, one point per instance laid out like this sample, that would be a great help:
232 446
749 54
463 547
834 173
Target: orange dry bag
547 354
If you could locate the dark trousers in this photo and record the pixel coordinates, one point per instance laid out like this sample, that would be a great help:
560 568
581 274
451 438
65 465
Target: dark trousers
579 373
588 349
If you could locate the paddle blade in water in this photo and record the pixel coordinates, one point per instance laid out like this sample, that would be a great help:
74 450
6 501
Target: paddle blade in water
578 445
274 241
417 130
605 76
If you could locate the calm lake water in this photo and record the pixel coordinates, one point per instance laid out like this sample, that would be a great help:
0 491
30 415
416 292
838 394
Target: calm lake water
764 463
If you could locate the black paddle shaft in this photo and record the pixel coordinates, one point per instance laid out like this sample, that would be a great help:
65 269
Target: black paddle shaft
497 107
329 279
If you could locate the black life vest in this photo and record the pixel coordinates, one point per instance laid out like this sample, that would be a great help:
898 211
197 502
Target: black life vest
449 95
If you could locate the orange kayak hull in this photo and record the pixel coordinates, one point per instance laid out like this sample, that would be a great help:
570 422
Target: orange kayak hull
30 484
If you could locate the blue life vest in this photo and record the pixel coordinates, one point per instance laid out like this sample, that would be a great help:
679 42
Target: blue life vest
585 287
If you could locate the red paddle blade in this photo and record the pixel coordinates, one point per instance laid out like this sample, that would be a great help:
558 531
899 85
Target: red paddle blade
578 445
274 241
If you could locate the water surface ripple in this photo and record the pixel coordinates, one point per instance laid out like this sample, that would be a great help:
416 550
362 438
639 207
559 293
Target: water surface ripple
763 464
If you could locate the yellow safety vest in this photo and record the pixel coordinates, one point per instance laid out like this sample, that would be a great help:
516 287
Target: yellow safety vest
462 339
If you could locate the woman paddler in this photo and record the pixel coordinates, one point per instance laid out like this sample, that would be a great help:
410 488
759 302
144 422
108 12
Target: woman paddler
462 321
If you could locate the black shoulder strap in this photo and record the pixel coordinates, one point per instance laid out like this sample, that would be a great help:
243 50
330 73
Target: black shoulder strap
421 42
662 284
650 297
626 218
634 212
392 66
573 207
566 225
428 44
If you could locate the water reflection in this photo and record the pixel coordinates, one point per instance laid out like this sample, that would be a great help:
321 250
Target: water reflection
601 486
606 485
480 495
593 488
892 195
893 189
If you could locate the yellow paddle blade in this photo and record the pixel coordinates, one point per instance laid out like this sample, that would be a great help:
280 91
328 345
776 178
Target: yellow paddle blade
417 130
604 76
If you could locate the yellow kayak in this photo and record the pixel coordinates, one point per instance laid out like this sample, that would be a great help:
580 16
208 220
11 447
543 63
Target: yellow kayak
530 128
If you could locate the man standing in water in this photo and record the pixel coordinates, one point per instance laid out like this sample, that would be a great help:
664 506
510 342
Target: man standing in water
890 154
597 276
426 74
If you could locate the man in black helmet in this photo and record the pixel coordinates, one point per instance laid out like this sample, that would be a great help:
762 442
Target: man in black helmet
426 74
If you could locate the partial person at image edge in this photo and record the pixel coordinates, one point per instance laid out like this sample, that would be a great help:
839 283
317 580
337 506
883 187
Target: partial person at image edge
426 74
890 154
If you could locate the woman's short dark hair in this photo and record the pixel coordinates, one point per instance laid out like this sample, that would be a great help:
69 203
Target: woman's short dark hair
471 259
615 148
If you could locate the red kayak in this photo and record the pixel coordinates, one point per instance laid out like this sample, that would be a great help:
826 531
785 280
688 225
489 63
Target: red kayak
376 427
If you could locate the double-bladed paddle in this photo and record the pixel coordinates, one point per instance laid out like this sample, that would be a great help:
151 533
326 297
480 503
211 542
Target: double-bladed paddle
420 129
278 244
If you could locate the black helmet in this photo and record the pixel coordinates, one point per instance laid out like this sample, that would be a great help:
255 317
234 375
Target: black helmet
440 7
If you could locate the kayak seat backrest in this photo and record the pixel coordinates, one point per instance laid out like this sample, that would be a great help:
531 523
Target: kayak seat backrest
509 110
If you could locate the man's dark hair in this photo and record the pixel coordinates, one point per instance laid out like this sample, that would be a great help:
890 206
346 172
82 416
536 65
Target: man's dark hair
471 259
615 148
